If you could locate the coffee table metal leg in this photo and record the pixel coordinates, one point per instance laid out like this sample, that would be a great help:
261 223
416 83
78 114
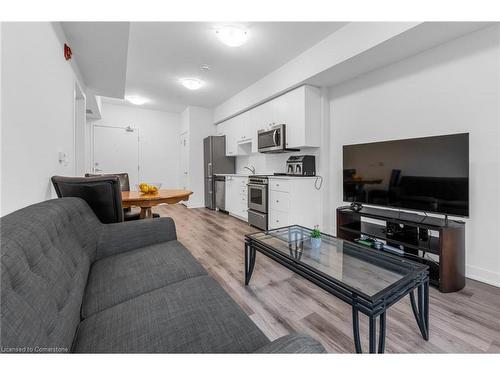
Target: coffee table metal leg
250 254
372 332
421 311
355 328
426 308
381 337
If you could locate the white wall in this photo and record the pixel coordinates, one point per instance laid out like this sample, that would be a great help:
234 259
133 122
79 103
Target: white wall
37 113
158 140
453 88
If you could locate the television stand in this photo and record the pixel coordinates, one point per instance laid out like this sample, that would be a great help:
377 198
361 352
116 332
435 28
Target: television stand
436 242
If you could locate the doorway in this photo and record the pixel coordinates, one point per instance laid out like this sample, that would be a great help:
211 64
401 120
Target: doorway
79 129
184 160
116 150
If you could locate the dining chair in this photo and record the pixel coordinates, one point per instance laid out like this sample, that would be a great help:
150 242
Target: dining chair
102 194
128 214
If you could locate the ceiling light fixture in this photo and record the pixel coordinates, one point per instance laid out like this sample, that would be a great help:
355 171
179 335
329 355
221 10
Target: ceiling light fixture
232 36
191 83
137 100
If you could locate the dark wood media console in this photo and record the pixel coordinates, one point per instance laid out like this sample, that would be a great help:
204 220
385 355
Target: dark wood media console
444 253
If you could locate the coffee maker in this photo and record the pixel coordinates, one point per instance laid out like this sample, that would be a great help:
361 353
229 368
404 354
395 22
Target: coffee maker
301 165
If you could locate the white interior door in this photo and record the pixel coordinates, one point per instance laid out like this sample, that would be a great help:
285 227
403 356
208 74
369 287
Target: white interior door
116 150
184 161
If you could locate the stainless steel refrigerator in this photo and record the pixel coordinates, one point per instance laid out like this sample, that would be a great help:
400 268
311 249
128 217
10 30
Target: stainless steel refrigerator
215 162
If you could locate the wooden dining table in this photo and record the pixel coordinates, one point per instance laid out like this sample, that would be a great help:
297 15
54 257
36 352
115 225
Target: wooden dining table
147 201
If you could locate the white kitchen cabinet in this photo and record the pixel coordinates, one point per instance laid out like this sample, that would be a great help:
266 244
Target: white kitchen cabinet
300 111
231 194
294 200
245 133
231 129
260 118
221 129
236 196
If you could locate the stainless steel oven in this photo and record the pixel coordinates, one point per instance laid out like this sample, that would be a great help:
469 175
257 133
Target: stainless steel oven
258 201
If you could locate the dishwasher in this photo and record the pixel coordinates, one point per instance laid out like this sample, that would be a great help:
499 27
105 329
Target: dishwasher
220 193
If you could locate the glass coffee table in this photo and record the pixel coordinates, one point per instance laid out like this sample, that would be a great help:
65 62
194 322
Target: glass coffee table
369 280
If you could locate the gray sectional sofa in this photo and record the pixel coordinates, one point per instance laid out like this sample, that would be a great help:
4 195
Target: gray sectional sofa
72 284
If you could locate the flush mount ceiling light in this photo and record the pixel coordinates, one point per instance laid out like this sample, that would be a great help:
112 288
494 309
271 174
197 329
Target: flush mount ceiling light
191 83
135 99
232 36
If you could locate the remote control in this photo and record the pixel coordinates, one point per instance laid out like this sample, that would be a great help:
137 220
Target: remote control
393 249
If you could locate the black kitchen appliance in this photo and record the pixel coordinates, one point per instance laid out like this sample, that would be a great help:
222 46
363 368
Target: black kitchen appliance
301 165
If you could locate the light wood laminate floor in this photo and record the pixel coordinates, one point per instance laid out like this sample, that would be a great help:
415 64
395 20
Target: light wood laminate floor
281 302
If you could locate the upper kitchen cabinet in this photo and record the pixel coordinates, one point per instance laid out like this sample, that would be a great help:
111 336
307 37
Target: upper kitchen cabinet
243 123
260 118
300 111
231 130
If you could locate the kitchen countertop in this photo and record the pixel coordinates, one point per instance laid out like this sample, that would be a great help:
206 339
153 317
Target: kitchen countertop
290 177
232 174
258 174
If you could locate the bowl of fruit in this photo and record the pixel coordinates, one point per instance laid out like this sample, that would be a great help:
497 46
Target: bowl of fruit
149 188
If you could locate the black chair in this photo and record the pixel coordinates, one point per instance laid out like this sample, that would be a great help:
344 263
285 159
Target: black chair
102 194
125 186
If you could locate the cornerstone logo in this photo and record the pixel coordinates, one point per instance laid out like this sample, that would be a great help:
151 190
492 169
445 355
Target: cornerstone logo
32 349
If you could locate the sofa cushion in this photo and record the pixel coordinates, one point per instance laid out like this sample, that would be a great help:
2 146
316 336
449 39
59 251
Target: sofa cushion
120 277
191 316
46 253
293 343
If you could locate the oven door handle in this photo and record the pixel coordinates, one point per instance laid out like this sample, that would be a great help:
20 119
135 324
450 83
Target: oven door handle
260 186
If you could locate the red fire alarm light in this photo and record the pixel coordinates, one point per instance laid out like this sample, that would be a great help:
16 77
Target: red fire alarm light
67 52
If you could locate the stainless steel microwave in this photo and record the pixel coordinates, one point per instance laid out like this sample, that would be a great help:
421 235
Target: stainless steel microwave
273 139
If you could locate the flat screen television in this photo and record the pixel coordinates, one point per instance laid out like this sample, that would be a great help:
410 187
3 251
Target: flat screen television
429 174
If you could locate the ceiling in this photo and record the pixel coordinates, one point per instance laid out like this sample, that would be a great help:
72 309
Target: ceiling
100 49
160 53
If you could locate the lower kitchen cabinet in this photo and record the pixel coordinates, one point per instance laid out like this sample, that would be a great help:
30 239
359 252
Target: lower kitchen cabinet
236 196
294 201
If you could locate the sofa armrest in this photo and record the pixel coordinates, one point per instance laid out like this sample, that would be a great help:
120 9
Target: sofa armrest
121 237
294 343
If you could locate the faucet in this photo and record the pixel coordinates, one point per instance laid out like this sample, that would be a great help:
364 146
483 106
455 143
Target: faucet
251 169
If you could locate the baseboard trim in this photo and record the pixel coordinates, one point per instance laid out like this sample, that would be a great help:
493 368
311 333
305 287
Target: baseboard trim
188 205
482 275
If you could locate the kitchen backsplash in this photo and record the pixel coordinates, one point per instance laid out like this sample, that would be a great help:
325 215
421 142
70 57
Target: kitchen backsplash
270 163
